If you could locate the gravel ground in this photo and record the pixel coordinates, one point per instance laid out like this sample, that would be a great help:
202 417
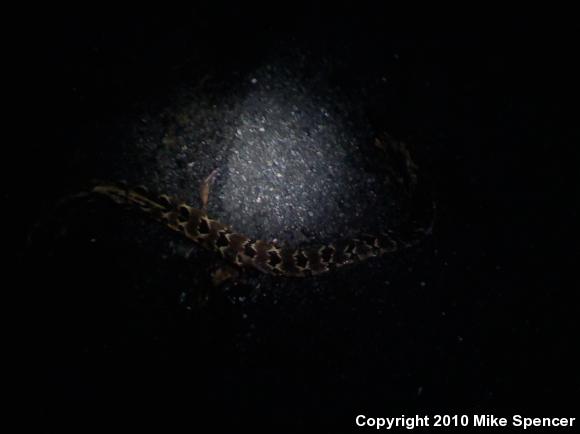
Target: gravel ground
123 315
289 149
296 164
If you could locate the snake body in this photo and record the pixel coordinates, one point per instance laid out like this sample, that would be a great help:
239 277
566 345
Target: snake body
267 257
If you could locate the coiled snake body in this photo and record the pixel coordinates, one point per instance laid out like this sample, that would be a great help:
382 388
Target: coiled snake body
264 256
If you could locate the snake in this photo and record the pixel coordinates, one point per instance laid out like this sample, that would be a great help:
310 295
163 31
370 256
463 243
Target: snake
267 256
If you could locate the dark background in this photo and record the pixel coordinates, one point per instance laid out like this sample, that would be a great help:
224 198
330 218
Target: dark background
489 100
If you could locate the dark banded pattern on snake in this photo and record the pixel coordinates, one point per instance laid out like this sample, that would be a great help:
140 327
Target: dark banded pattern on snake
241 250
